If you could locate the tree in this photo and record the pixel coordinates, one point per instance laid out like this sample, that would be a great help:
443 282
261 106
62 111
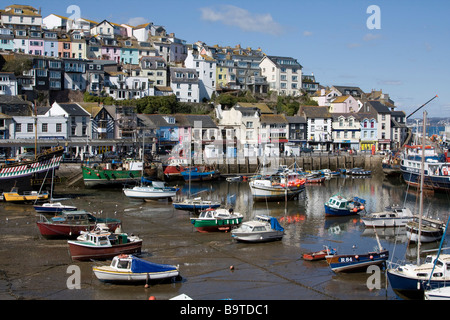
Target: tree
18 65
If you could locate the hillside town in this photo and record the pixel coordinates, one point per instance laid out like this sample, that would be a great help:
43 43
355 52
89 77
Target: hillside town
69 82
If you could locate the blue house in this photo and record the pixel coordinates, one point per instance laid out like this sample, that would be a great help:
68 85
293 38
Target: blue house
129 52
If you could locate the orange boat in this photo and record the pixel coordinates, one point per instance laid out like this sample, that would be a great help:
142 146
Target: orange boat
319 255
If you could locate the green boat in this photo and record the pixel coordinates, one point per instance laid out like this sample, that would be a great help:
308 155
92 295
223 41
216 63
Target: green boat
211 220
115 173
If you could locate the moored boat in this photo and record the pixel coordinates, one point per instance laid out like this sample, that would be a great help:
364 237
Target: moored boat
279 186
211 220
356 262
392 216
156 191
130 269
359 172
200 174
262 229
195 204
25 197
116 173
53 207
31 175
70 224
101 244
442 293
319 255
339 205
432 230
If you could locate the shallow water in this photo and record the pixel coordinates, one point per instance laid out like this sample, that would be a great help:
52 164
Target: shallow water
213 265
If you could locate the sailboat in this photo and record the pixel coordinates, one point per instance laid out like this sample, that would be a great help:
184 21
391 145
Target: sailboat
194 204
53 207
409 279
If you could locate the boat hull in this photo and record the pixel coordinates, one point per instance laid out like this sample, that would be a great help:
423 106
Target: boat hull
334 212
437 183
81 252
258 237
53 209
200 176
412 233
384 222
102 178
57 230
189 206
355 262
144 193
261 192
214 225
107 274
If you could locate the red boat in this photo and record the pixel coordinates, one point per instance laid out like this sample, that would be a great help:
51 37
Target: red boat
319 255
175 167
100 244
70 224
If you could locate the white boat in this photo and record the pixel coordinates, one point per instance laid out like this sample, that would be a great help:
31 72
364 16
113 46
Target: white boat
195 204
442 293
128 268
432 230
262 229
53 207
279 186
392 216
157 190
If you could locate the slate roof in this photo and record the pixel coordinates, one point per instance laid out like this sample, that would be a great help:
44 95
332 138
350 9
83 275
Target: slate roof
73 109
315 112
295 119
379 107
273 118
261 106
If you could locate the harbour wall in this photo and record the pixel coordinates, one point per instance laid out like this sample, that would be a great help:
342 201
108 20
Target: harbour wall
70 173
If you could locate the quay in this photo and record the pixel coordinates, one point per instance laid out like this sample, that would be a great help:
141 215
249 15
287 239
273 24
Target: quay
71 174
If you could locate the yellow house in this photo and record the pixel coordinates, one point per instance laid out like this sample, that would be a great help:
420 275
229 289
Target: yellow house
221 77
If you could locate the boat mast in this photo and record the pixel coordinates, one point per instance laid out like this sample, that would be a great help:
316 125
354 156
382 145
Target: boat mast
422 177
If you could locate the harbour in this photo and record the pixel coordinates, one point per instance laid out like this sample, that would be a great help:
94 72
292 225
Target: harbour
214 266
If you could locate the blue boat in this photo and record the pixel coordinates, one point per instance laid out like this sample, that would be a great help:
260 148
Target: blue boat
53 207
195 174
356 262
338 205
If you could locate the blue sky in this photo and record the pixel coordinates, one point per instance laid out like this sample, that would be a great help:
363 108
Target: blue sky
408 57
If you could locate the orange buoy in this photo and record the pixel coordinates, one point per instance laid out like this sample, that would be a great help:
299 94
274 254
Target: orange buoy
152 298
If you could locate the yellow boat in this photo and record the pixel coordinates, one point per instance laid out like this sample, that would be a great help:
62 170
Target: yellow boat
28 196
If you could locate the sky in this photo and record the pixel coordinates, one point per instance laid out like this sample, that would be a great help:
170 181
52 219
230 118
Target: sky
398 46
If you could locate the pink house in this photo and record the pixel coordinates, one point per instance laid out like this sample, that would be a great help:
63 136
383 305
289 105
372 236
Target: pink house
36 47
110 50
344 104
64 48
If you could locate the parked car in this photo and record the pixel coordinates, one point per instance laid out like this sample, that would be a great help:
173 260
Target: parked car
306 150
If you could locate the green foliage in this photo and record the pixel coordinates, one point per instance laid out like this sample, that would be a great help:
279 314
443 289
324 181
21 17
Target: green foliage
18 65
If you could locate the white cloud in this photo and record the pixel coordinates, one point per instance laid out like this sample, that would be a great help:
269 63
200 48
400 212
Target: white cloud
243 19
371 37
353 45
137 21
307 33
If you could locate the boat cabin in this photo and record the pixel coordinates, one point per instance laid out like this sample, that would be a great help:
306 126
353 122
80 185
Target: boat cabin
106 239
77 217
339 202
122 262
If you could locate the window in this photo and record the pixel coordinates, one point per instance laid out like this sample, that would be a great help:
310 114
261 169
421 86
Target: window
18 127
45 127
29 127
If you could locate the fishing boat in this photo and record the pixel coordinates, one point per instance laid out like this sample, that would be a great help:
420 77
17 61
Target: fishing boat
319 255
131 269
102 244
157 190
279 186
195 204
391 164
263 228
53 207
25 197
357 262
174 168
30 175
70 224
432 229
200 174
211 220
436 167
339 205
116 173
392 216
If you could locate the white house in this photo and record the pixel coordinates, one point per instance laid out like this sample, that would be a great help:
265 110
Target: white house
8 84
78 119
54 127
206 70
21 17
323 97
284 74
121 86
319 127
185 84
142 32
